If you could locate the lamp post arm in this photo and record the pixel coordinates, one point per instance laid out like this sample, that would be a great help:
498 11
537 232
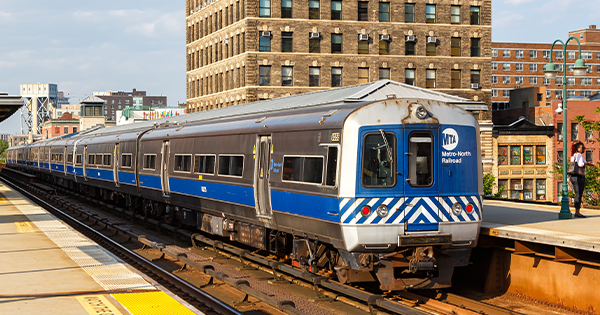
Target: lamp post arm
578 44
552 47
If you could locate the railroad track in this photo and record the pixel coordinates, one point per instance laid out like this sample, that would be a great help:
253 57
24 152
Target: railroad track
405 302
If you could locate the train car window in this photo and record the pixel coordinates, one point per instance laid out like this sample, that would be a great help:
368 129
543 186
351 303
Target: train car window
126 160
231 165
91 159
59 157
78 159
183 163
99 158
377 167
332 158
420 158
307 169
107 159
149 161
204 164
70 158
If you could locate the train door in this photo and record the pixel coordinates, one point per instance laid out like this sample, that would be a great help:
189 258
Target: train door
164 173
116 154
65 160
262 188
84 162
421 193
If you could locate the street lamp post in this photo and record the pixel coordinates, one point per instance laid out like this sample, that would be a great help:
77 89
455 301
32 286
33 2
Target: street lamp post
579 69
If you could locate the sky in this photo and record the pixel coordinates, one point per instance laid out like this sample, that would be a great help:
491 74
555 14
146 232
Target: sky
89 46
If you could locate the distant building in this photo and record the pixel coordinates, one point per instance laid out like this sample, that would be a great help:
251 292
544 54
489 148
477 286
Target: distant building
5 136
117 100
40 101
15 140
66 124
73 109
132 114
61 100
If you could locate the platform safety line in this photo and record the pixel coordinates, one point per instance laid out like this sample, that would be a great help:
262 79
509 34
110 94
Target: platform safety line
98 304
151 303
105 268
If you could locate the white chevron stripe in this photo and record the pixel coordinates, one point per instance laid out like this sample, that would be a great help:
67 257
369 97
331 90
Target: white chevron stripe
351 209
400 217
440 213
343 203
359 215
453 200
392 209
433 208
465 201
475 213
417 213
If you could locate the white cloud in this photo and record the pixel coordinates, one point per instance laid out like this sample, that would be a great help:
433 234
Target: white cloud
517 2
507 19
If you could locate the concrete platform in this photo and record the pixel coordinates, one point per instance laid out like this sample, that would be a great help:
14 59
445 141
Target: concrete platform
540 224
48 268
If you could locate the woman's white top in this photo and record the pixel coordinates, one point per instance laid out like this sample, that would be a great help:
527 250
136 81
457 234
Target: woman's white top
578 157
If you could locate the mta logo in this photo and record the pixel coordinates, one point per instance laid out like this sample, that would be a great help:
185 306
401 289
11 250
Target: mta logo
449 139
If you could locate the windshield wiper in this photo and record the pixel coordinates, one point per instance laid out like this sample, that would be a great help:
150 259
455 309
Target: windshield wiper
389 151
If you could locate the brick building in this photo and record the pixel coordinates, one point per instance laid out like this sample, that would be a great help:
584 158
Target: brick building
117 100
64 125
242 51
517 65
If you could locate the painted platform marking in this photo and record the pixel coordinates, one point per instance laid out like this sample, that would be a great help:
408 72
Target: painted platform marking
98 304
24 227
3 200
151 303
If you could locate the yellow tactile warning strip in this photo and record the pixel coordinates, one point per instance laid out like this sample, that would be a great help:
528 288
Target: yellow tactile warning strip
105 268
98 304
3 200
151 303
24 227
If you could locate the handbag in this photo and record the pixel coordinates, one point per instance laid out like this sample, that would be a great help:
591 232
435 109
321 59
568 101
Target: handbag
575 170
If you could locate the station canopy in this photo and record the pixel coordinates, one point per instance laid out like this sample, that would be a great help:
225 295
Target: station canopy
9 105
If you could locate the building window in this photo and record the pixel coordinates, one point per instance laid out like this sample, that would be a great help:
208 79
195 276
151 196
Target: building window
384 47
559 129
336 43
527 155
589 156
409 49
112 101
455 79
558 81
409 14
286 9
506 66
363 75
532 80
314 9
314 45
336 10
287 42
494 93
455 46
506 53
384 11
533 67
66 130
519 66
475 20
264 43
74 129
264 9
430 49
363 47
586 55
558 54
384 73
519 80
475 77
336 77
519 53
503 155
126 101
287 76
265 75
314 77
494 66
363 10
559 94
589 136
475 47
546 81
586 93
515 155
570 55
494 79
494 52
533 54
430 78
571 81
430 13
574 131
455 14
409 77
505 93
586 81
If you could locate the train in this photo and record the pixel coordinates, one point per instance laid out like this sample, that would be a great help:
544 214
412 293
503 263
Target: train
385 190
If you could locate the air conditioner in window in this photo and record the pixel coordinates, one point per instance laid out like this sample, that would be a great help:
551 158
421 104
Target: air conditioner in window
475 86
411 38
265 34
505 82
431 40
314 35
385 37
226 41
363 36
518 186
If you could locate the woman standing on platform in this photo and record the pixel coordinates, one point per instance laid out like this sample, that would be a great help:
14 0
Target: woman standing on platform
578 178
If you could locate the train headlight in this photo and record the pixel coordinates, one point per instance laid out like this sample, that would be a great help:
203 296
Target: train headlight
469 208
382 210
456 209
421 112
365 211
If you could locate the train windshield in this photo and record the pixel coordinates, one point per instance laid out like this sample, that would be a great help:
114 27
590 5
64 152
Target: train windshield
379 155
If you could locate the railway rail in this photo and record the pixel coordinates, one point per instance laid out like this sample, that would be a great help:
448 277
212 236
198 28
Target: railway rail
396 303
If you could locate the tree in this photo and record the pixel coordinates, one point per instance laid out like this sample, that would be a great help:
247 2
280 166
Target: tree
3 147
592 173
489 181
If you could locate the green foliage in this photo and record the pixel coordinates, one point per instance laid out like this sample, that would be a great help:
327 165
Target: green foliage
3 147
489 181
591 195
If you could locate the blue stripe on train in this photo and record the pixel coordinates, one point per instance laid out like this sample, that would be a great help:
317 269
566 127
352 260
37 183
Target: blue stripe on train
127 178
149 181
98 173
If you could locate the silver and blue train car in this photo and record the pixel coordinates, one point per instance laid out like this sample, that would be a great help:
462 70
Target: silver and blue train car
370 186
